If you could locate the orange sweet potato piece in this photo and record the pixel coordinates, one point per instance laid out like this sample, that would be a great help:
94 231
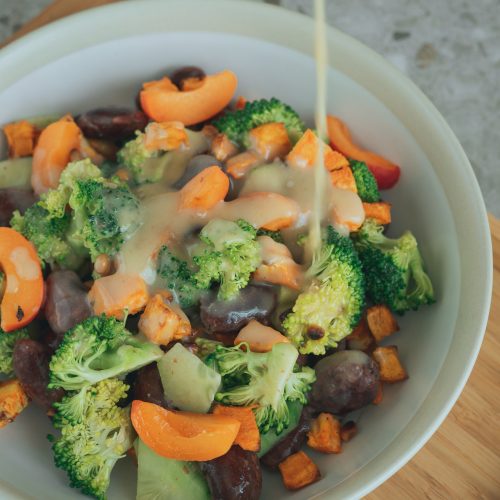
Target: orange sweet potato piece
163 102
324 435
191 83
205 190
238 166
343 178
13 400
380 211
162 322
270 140
380 394
165 136
381 322
391 369
304 153
248 436
20 138
260 338
361 339
240 103
222 147
348 431
117 294
298 470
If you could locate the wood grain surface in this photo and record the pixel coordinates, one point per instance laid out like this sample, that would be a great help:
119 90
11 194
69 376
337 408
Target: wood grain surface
462 459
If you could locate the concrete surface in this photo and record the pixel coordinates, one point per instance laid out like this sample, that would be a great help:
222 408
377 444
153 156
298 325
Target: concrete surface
450 48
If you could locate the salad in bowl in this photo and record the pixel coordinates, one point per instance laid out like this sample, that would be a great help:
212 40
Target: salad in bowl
163 300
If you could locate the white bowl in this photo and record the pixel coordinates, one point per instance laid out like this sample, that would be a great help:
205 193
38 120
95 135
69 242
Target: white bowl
100 57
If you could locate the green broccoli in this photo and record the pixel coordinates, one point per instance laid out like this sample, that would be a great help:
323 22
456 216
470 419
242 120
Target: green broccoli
96 349
175 275
266 379
95 434
393 268
237 124
134 156
365 182
333 302
228 254
105 215
49 235
7 342
275 235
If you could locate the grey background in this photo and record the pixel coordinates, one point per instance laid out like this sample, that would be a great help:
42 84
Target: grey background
449 48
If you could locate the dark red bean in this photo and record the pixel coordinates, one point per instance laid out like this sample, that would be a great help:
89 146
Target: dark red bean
291 443
66 303
229 316
12 199
147 386
31 366
235 475
111 123
186 72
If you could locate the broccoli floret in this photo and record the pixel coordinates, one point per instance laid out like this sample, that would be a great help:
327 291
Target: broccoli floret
175 275
365 182
105 215
96 349
228 254
95 434
7 342
266 379
134 157
49 235
275 235
332 304
393 268
237 124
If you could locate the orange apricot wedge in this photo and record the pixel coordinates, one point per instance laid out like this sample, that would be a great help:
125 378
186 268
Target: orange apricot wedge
24 291
53 152
163 102
183 435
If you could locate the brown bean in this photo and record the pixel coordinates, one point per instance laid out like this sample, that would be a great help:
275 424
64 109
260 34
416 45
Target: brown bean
186 72
147 386
235 475
291 443
31 366
66 303
14 199
111 123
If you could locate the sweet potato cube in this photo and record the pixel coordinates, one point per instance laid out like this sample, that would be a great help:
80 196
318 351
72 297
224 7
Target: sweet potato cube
240 103
324 435
361 338
20 138
270 141
391 369
381 322
380 211
162 322
298 470
117 294
13 400
248 436
380 394
304 153
348 431
343 178
238 166
165 136
222 147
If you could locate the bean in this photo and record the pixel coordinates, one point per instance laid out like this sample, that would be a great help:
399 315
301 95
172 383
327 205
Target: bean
111 123
12 199
31 366
147 386
184 73
194 166
235 475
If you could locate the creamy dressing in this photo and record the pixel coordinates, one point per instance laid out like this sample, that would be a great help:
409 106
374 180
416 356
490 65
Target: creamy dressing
26 267
310 198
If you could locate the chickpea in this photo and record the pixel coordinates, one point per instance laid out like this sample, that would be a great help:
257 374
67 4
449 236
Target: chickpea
102 264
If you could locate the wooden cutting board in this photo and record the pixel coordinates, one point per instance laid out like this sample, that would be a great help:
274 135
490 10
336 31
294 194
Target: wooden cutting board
462 459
